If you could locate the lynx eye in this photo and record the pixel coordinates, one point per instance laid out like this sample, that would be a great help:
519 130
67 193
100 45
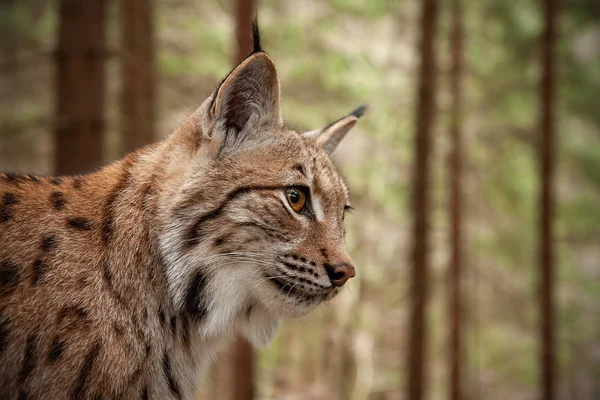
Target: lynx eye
296 198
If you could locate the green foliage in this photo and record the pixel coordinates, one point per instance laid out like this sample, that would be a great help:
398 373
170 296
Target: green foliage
509 355
364 8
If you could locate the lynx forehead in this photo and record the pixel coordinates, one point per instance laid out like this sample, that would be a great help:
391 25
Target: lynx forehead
126 282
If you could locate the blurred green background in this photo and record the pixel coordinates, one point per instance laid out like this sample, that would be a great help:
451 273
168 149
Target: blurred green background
333 55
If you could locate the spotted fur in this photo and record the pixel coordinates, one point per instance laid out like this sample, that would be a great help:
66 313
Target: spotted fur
126 282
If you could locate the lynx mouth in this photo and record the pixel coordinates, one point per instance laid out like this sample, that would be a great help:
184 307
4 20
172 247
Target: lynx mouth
301 291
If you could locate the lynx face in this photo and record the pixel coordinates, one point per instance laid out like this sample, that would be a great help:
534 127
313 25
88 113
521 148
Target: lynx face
259 216
276 226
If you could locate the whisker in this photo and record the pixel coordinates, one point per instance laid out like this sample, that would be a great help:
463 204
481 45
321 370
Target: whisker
256 283
288 293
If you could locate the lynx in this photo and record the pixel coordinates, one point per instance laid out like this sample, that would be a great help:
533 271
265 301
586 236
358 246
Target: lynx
125 283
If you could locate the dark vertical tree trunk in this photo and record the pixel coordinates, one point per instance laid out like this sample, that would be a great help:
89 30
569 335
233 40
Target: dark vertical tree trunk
137 73
244 354
456 232
244 370
80 87
547 163
243 28
224 381
9 40
420 264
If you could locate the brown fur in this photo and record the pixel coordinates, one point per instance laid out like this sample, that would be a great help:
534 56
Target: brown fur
124 283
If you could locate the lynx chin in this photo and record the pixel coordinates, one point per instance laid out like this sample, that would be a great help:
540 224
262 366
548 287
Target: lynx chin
126 282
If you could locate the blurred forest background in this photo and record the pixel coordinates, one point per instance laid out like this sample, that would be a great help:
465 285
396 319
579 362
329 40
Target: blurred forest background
465 99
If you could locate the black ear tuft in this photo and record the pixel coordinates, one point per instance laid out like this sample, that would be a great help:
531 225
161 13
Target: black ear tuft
331 135
256 37
359 112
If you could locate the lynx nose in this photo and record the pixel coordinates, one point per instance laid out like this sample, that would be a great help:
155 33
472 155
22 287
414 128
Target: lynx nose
340 273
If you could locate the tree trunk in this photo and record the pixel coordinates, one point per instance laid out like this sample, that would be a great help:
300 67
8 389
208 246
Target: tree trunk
244 360
137 73
420 263
224 381
547 163
244 370
80 87
456 232
243 28
9 39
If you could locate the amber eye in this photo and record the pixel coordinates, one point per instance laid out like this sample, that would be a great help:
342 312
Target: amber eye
296 198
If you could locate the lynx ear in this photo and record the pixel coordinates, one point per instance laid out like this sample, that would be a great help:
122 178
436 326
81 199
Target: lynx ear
251 91
330 136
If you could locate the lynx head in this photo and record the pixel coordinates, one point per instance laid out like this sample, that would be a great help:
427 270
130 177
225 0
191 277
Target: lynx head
257 224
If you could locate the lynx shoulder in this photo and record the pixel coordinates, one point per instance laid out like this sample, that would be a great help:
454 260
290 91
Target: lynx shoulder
126 282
